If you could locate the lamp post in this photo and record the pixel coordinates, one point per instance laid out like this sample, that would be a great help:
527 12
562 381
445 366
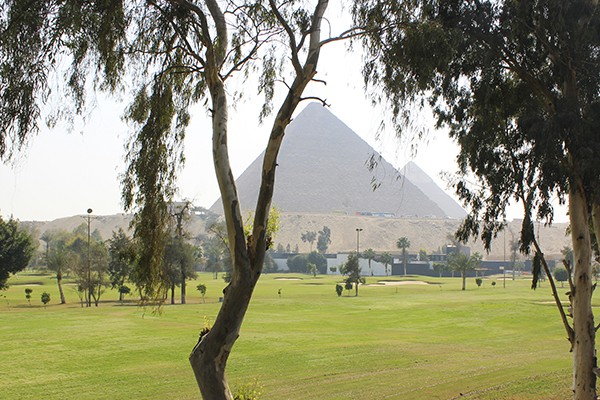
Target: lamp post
89 263
504 277
358 230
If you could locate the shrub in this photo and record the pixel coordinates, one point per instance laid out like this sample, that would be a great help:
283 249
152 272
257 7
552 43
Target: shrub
202 289
478 281
493 283
339 289
248 391
45 298
28 292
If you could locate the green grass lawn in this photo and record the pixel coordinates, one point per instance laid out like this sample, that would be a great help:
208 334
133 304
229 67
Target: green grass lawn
391 342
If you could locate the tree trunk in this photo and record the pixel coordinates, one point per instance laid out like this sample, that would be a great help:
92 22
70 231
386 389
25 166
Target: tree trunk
182 287
209 357
173 292
463 275
60 288
584 357
356 289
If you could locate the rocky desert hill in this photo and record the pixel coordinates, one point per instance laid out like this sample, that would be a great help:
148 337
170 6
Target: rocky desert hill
378 233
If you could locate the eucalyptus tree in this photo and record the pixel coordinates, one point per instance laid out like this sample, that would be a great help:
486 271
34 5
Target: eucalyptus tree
324 240
518 86
122 256
178 53
310 237
59 257
16 249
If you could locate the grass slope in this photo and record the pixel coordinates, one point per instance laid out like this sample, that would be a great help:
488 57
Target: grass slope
391 342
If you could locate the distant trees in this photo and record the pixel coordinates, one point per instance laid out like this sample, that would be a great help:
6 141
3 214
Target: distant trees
323 240
59 257
462 263
299 263
369 255
386 259
16 249
403 243
561 275
122 256
310 237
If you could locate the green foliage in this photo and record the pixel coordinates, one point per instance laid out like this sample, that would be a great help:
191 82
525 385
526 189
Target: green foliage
122 255
323 240
45 298
311 269
478 281
339 289
28 292
561 275
297 263
351 268
249 391
310 237
202 289
16 249
124 289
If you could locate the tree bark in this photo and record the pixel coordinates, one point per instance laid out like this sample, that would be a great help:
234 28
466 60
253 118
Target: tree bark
183 287
584 357
463 275
60 288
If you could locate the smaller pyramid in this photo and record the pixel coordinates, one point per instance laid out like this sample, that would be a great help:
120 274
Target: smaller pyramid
419 178
323 169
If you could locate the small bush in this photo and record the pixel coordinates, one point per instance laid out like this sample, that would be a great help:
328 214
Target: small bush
493 283
249 391
478 281
339 289
28 292
45 298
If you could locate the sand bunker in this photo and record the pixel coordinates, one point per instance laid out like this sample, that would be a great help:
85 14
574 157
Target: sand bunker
399 283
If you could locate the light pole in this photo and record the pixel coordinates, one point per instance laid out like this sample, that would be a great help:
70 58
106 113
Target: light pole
504 277
358 230
89 264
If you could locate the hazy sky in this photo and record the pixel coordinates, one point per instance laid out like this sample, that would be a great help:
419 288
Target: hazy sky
64 172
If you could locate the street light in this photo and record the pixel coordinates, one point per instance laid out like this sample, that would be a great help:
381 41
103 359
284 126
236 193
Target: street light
358 230
504 277
89 264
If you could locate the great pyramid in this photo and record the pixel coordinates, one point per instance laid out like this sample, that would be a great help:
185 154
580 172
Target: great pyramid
323 169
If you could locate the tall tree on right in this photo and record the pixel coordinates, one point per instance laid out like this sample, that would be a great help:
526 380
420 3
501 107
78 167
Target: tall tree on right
403 243
518 86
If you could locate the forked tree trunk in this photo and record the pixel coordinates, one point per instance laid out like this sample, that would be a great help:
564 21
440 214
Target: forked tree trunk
209 357
584 357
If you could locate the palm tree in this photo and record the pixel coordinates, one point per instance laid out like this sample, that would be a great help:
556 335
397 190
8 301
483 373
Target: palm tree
386 258
403 243
369 254
462 263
